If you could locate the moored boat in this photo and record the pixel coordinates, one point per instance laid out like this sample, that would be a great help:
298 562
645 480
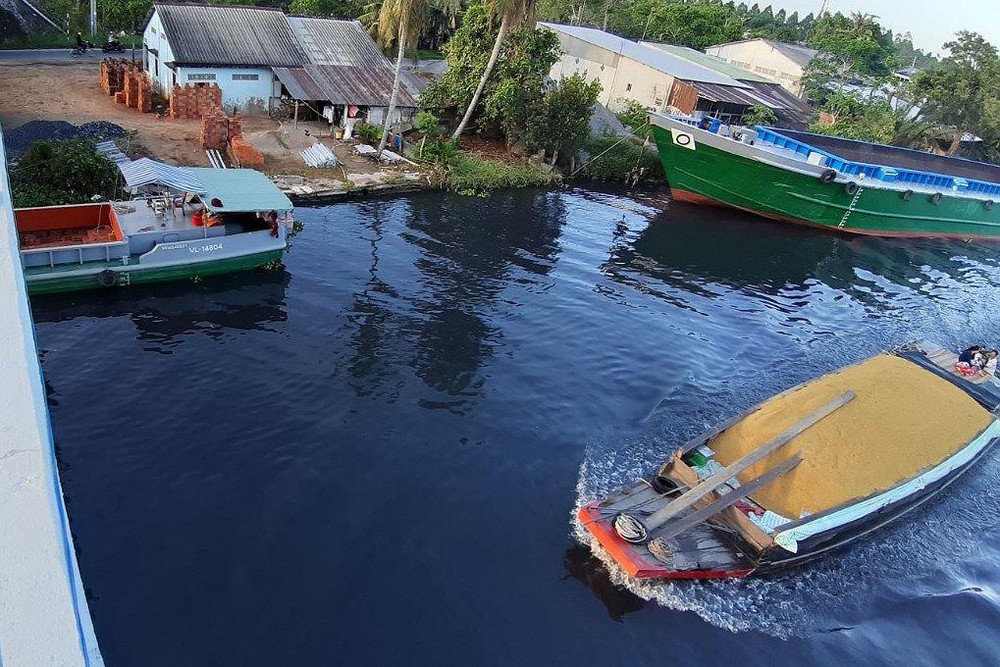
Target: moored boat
804 472
828 182
224 220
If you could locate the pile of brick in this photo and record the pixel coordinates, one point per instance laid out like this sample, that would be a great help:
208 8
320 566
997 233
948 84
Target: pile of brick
214 130
113 72
241 152
189 101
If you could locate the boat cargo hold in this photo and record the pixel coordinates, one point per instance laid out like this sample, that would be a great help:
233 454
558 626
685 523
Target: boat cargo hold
828 182
223 220
804 472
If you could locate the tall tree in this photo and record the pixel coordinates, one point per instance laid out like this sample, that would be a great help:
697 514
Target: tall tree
402 21
511 13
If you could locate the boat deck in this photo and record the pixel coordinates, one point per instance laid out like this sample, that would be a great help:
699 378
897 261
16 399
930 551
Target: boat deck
137 217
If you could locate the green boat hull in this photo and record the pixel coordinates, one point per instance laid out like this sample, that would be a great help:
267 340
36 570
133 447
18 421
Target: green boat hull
720 175
51 282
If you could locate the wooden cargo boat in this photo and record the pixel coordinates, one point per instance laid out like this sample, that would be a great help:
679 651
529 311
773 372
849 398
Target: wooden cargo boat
828 182
804 472
235 222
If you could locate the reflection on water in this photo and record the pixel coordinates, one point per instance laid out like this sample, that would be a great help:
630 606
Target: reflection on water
387 436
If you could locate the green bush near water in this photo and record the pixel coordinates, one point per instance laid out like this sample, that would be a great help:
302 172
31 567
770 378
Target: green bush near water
62 172
614 159
472 176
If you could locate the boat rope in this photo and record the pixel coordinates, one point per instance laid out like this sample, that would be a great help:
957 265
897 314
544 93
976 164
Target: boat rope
630 528
611 148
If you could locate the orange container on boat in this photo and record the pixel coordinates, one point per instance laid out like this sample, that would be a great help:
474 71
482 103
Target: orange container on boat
198 218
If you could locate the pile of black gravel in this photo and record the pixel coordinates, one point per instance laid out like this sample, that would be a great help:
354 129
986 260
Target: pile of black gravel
20 139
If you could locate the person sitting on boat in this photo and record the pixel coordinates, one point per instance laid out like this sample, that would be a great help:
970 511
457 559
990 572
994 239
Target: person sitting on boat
971 360
989 362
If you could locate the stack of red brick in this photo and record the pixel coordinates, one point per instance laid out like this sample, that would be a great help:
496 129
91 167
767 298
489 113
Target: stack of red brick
241 152
214 130
189 101
113 74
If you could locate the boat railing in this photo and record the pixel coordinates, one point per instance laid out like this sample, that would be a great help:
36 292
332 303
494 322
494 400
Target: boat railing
80 249
771 137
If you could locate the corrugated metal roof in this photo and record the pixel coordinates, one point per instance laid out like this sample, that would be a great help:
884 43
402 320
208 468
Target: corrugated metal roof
662 61
366 86
712 62
240 191
730 95
333 42
144 171
794 112
228 35
800 55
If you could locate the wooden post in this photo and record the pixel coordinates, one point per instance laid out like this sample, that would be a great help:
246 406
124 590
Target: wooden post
295 123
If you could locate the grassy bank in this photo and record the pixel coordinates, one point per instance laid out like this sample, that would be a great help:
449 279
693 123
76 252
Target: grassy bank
614 159
474 176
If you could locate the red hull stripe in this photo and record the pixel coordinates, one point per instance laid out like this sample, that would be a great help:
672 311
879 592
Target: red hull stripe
630 561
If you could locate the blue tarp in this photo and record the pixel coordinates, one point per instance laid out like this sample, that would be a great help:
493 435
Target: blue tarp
145 172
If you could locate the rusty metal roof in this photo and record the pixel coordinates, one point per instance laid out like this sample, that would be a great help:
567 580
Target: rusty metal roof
347 84
333 42
227 35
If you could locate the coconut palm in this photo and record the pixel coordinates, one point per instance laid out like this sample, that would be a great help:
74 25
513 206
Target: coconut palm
511 13
401 21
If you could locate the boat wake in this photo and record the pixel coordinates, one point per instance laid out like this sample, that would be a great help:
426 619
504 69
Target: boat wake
941 547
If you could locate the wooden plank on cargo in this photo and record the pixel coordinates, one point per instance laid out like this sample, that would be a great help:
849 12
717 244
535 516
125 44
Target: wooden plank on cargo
712 482
726 500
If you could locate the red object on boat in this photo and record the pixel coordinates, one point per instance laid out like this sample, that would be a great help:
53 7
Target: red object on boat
198 218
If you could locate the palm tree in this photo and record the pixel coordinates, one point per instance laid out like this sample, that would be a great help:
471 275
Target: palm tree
401 21
511 13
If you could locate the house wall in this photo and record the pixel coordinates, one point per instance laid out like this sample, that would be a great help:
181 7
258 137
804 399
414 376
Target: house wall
764 59
248 94
621 77
239 87
156 51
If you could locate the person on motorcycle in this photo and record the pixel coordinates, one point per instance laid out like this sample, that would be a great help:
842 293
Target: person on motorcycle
81 43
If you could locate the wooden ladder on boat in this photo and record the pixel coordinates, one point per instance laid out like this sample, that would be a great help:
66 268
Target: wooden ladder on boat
714 481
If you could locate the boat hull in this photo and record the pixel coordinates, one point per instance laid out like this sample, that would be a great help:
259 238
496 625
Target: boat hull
711 169
634 561
87 278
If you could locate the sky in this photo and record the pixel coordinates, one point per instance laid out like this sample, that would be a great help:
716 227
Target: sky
931 22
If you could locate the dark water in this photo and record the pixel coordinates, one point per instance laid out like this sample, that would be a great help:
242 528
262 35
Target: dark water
373 456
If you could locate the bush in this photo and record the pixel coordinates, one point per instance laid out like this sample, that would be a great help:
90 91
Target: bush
619 159
473 176
760 115
368 133
635 116
434 145
62 172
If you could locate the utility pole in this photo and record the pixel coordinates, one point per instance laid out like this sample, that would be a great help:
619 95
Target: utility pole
822 9
93 18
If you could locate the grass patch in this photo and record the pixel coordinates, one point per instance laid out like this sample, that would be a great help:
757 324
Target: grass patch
425 54
612 159
469 175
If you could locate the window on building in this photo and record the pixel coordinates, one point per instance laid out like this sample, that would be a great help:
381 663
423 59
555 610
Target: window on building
246 77
201 76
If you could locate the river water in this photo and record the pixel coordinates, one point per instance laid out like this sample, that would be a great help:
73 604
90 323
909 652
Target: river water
373 456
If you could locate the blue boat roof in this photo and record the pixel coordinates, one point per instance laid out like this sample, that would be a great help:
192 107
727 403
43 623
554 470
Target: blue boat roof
240 191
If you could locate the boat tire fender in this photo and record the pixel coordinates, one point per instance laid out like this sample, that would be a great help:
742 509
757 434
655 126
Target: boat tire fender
662 484
851 188
989 204
107 278
828 176
936 198
907 194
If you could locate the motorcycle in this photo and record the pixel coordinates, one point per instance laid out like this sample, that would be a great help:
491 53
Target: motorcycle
114 46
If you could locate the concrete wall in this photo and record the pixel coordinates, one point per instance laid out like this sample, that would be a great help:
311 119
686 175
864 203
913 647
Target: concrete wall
44 618
156 51
621 77
760 57
239 88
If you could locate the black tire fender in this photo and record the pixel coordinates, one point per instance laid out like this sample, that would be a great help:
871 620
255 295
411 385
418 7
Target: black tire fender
107 278
936 198
828 176
989 204
851 188
907 194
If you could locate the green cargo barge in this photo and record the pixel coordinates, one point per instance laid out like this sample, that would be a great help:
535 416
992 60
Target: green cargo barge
827 182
